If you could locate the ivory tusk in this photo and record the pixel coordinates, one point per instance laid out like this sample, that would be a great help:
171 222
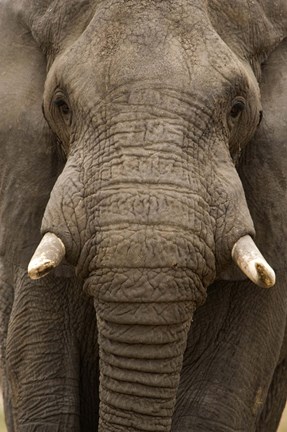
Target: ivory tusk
251 262
47 256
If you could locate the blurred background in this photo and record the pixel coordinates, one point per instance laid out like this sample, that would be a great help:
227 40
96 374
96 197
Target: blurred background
283 424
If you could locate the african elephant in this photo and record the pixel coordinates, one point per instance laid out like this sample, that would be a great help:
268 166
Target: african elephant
142 148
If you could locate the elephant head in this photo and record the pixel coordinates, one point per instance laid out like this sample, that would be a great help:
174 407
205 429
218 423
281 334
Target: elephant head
152 108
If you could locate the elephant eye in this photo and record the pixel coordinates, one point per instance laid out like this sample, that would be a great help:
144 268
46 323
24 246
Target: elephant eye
238 106
62 108
60 117
260 117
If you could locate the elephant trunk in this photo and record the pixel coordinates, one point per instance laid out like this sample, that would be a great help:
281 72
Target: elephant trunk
146 284
142 339
140 369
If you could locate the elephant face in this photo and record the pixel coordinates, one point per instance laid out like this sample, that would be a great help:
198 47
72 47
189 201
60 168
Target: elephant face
153 107
152 110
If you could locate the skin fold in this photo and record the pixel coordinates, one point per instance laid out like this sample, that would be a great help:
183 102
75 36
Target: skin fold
149 137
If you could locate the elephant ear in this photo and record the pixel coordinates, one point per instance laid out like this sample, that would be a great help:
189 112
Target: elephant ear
29 163
263 166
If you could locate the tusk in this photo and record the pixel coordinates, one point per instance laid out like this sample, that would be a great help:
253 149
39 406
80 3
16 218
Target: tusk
249 259
47 256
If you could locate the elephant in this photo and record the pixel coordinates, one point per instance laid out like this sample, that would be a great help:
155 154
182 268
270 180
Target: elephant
143 194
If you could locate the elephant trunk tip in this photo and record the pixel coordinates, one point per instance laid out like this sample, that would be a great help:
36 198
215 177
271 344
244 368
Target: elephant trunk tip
251 262
47 256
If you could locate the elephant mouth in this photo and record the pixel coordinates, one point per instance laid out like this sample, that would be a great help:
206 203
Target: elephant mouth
51 251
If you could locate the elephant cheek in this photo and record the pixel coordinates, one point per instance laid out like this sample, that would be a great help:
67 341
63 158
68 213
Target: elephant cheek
142 339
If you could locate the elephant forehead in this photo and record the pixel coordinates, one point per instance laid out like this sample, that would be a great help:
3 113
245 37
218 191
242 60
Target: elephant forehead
163 42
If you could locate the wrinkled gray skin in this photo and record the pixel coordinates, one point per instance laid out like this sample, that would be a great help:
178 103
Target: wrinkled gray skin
146 136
